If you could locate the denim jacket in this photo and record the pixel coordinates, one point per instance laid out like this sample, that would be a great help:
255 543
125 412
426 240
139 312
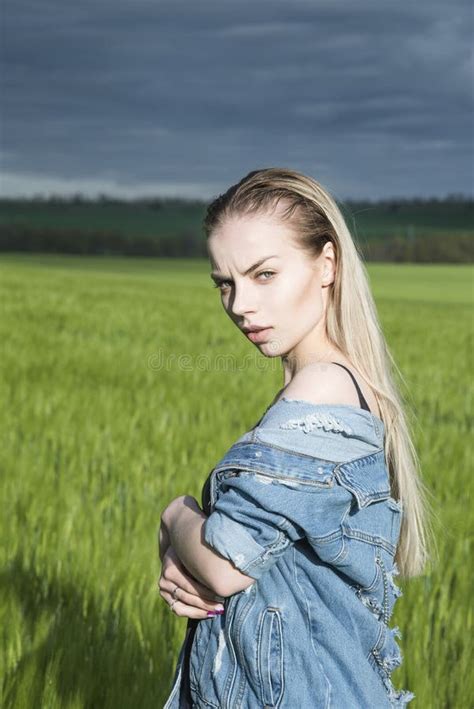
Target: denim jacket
302 504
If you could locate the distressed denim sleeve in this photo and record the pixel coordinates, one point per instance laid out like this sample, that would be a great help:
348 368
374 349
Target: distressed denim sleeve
256 519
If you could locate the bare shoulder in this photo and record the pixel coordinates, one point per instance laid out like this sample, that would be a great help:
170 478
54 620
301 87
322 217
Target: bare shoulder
328 383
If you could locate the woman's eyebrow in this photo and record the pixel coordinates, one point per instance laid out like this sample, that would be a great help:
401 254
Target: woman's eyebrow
215 275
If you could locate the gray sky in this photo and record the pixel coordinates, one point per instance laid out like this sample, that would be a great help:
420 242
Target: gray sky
181 98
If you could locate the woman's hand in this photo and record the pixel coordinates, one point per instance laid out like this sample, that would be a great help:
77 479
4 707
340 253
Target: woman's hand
194 599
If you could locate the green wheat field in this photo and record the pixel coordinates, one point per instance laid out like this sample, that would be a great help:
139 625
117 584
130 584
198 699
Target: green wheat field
123 382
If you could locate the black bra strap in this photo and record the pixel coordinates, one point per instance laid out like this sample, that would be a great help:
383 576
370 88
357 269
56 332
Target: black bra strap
362 401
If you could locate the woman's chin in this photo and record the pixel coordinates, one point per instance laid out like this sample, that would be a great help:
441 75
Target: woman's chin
271 348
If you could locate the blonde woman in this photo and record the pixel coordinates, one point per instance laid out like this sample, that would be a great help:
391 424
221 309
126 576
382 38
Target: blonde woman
309 515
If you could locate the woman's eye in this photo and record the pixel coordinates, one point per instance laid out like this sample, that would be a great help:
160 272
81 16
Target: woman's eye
222 284
263 272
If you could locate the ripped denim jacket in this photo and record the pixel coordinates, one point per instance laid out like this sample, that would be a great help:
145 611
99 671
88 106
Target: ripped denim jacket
302 504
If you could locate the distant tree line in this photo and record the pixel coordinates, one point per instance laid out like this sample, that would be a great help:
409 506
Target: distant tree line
404 244
426 248
17 237
159 202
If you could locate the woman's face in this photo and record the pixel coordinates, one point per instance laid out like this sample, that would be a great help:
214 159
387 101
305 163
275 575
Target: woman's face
267 281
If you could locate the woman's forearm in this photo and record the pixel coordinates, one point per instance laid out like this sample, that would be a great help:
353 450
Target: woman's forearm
184 522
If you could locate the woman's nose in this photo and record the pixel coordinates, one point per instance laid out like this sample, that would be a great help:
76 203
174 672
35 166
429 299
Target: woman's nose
241 304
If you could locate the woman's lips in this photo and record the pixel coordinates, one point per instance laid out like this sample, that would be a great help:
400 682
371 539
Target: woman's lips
258 335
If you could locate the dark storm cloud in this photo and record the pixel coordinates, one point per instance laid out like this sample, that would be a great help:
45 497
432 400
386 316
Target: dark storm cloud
181 97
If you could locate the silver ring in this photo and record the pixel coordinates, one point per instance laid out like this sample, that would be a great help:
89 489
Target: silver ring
172 604
174 591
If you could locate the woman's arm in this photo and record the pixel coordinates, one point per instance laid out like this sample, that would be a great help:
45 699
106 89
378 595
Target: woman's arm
183 521
163 541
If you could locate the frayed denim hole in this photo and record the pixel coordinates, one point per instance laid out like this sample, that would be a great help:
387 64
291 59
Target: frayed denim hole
373 604
217 664
396 590
320 420
397 697
388 657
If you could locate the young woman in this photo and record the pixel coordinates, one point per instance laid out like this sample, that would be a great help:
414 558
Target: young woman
309 515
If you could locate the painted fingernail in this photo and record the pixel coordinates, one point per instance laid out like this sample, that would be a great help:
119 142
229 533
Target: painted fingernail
219 607
212 614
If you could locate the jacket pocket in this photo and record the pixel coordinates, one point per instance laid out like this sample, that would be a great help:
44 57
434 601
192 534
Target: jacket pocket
270 657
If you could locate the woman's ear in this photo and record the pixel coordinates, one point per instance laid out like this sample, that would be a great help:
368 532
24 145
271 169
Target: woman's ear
328 257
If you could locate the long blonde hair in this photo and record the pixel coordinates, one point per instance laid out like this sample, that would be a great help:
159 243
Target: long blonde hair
352 325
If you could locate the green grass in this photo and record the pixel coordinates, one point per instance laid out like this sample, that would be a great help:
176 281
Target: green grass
102 426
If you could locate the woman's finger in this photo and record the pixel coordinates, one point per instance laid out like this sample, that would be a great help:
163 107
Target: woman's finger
189 599
182 609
